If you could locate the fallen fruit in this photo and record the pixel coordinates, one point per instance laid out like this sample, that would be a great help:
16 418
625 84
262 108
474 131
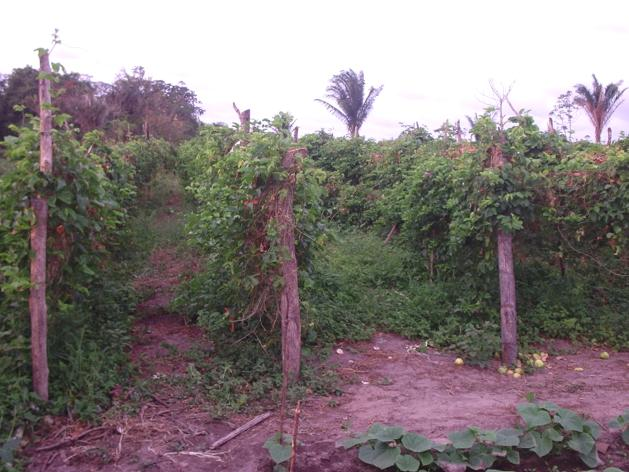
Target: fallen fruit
502 370
579 369
510 372
604 355
517 375
458 361
518 371
539 363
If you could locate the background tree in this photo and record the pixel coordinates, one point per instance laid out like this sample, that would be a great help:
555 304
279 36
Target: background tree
563 111
599 103
134 105
347 89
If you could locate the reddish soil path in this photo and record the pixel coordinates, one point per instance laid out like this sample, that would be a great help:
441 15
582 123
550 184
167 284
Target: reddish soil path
424 392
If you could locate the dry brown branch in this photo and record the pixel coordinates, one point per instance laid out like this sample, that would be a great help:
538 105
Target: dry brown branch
69 441
245 427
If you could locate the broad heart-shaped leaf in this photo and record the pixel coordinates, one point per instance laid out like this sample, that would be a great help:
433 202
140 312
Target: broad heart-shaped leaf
416 442
569 420
487 436
349 443
553 435
389 433
527 441
513 456
581 442
381 455
279 452
543 445
592 428
375 428
591 460
462 439
426 458
480 458
507 437
451 456
533 415
407 463
612 469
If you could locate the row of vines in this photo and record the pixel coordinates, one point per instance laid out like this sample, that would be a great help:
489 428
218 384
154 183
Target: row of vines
438 204
92 194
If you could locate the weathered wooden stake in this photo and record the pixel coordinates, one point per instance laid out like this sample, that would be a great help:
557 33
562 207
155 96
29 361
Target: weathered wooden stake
244 117
609 136
551 125
39 203
506 273
290 312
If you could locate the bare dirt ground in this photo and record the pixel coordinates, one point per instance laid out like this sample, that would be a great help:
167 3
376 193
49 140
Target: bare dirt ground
380 380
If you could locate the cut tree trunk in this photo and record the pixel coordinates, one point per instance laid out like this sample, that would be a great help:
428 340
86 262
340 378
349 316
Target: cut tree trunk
37 298
290 313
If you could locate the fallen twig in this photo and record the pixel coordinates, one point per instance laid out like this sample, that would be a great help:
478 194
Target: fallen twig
204 455
66 442
248 425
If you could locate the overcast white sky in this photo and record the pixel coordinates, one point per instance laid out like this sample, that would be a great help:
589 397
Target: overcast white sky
434 58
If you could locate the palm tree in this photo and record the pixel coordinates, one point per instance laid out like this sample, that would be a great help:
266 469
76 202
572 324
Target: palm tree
599 103
347 89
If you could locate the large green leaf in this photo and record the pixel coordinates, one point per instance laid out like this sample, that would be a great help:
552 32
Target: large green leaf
351 442
543 444
592 428
513 456
279 452
527 441
416 442
375 429
507 437
533 415
426 458
381 455
389 433
462 439
407 463
553 435
569 420
591 459
581 442
480 459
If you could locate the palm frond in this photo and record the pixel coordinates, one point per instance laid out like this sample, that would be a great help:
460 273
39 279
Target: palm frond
347 89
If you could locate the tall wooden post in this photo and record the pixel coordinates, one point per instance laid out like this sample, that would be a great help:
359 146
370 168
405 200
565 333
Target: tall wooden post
609 136
506 274
244 117
39 203
290 312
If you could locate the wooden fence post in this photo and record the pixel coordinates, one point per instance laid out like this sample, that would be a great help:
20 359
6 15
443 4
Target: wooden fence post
39 232
290 312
